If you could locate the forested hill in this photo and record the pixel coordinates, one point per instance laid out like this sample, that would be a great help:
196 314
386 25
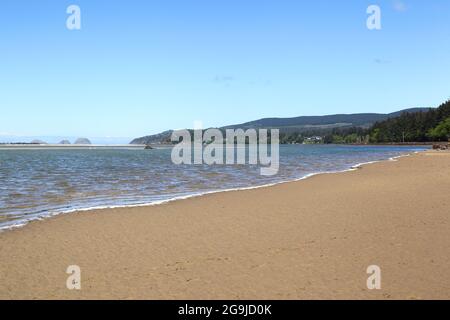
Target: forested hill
299 127
433 125
357 120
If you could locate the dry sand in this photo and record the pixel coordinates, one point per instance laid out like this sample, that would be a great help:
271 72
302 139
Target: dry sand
311 239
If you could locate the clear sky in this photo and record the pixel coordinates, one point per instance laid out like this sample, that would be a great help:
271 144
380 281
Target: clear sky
141 67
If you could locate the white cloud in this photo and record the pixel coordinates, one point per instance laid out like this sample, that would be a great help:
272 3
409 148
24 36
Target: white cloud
223 79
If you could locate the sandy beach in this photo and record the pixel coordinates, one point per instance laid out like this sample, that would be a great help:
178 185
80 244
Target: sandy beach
311 239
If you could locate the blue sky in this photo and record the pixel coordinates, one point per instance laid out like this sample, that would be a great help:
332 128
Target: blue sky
141 67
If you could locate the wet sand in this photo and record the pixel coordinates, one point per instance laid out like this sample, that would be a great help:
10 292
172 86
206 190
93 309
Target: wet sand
311 239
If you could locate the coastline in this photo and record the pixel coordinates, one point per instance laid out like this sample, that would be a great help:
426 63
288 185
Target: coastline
41 217
305 239
24 146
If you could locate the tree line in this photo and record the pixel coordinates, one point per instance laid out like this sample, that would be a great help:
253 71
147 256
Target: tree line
428 125
425 126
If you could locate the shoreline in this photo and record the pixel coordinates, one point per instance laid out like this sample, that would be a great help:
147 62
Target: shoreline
21 223
51 146
310 239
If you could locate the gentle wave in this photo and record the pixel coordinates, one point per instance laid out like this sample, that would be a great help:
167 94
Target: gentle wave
26 218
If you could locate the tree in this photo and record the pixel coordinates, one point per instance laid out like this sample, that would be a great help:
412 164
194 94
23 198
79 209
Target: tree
412 127
441 131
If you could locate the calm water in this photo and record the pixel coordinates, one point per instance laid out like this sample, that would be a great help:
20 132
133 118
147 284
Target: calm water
39 183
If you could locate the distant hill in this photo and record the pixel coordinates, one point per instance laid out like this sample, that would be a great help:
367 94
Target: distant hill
82 141
163 137
319 124
414 127
336 120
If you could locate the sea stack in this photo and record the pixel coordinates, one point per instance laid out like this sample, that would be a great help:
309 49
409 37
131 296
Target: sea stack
82 141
